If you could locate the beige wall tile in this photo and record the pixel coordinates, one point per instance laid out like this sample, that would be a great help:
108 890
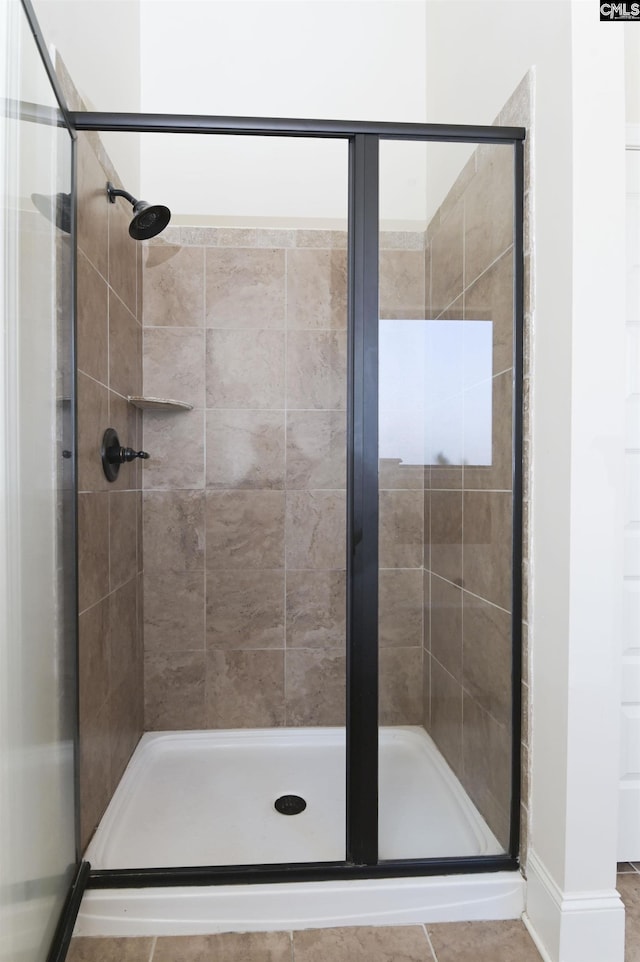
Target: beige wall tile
316 449
108 517
125 723
315 687
446 715
317 289
398 943
93 659
245 449
174 527
123 254
315 529
93 548
490 298
93 321
401 686
174 610
486 759
125 644
95 781
245 288
93 420
245 369
426 616
122 536
401 529
400 607
93 207
446 625
393 474
174 364
316 609
487 656
401 240
316 370
444 477
426 690
125 349
487 545
488 210
174 690
245 529
245 689
497 475
446 535
139 282
173 285
447 261
140 546
401 284
176 445
245 609
321 238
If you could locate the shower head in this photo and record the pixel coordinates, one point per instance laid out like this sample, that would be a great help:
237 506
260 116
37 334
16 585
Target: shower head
148 219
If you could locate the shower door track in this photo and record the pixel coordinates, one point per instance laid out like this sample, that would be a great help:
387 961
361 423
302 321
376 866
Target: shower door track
362 498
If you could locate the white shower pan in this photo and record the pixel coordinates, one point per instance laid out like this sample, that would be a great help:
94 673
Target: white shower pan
207 798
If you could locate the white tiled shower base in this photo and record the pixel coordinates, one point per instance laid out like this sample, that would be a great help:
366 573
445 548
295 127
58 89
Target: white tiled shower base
207 798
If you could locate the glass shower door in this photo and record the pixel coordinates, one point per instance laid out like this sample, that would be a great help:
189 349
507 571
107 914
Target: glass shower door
446 443
37 580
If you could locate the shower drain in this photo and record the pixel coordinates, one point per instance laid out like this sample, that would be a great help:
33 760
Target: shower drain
290 804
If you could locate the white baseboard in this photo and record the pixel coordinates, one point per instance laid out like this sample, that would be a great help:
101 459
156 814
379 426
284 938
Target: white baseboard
572 926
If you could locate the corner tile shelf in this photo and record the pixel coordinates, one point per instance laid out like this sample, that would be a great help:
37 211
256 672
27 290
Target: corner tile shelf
159 404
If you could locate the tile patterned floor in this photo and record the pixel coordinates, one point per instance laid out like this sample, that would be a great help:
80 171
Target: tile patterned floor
452 942
455 942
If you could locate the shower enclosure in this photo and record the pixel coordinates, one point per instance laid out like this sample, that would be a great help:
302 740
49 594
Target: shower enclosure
300 623
331 533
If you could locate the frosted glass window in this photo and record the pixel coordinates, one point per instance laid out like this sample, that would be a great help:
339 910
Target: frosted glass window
436 391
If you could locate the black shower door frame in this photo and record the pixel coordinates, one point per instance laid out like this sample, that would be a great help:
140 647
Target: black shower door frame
362 497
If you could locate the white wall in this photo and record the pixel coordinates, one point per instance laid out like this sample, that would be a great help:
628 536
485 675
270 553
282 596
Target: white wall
99 41
632 71
353 59
476 54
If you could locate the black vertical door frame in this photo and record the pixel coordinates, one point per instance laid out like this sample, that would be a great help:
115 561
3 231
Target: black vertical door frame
362 507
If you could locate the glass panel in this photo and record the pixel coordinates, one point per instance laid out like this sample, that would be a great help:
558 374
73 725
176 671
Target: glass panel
445 447
37 639
245 316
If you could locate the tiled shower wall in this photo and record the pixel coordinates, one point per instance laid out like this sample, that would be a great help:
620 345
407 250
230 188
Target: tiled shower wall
109 356
467 638
244 501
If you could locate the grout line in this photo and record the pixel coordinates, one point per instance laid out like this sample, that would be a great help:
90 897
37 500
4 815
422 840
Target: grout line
472 593
82 251
293 951
153 947
429 942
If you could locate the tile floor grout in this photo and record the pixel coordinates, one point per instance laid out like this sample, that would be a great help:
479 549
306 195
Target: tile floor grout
429 942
